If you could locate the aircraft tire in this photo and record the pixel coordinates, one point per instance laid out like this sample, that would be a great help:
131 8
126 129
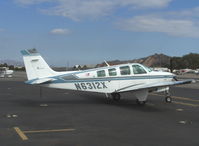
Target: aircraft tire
140 102
116 96
108 101
168 99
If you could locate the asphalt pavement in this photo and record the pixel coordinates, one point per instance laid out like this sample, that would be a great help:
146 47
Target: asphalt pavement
34 116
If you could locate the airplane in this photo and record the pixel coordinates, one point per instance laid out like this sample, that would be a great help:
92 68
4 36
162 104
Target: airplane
110 80
6 72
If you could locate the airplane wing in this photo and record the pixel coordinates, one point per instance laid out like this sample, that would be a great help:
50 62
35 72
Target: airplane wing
39 81
153 85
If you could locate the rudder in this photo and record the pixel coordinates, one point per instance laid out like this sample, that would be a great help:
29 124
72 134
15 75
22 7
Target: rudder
36 66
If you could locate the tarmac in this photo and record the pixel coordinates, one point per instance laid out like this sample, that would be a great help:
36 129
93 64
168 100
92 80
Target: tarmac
34 116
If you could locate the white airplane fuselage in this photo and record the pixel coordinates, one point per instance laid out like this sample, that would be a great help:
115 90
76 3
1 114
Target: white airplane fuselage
88 80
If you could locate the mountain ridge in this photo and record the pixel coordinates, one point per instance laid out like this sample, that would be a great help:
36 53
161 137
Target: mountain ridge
155 60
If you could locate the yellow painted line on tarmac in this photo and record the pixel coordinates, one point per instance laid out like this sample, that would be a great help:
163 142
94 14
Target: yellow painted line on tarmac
47 131
24 137
184 98
177 97
20 133
181 98
156 94
187 104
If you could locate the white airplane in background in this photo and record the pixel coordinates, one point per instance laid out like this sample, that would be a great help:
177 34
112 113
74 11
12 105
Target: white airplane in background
6 72
111 80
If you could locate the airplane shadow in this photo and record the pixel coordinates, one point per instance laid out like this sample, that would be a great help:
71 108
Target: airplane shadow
87 98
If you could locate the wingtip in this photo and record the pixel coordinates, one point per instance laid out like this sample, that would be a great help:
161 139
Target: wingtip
193 81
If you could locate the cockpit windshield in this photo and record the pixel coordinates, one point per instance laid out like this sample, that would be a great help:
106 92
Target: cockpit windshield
137 69
148 68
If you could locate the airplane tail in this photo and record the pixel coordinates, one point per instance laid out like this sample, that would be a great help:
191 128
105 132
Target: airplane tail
36 66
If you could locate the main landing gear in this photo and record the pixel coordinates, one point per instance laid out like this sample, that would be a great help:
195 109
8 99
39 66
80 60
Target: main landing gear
140 102
116 96
113 97
168 98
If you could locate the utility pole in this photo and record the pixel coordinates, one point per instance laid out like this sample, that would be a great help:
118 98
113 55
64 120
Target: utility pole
171 64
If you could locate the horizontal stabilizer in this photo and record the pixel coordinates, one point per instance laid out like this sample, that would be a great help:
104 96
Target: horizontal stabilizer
39 81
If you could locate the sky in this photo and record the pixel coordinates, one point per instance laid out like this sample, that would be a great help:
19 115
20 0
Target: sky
91 31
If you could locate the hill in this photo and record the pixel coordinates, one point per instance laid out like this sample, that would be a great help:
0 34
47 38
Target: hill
156 60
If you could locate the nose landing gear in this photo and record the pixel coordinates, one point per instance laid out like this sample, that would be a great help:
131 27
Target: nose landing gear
168 98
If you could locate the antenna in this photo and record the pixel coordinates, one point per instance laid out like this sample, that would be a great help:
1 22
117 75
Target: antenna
106 63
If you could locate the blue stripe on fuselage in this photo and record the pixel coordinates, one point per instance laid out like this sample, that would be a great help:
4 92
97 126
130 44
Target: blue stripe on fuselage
60 80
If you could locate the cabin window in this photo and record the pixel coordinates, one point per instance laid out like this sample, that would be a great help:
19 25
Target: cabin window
137 69
112 72
101 73
125 70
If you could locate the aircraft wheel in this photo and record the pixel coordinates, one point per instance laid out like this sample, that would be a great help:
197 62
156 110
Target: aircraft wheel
116 96
108 101
140 102
168 99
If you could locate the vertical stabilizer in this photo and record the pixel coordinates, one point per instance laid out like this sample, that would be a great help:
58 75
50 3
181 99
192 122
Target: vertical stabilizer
35 65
